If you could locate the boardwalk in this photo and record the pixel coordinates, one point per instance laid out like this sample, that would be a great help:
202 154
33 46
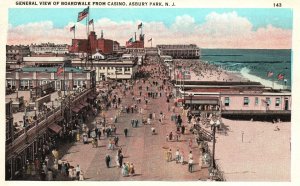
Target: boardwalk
145 150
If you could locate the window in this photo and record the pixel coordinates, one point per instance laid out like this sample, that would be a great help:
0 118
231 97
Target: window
277 102
246 101
268 101
256 101
58 84
226 101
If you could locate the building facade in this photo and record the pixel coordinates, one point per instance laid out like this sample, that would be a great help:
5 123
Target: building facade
92 45
49 48
180 51
29 142
15 54
46 61
71 78
111 69
243 100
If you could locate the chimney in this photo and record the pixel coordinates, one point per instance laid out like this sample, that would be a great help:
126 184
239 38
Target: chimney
101 34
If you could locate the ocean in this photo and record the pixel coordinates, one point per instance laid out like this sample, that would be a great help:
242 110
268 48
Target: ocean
254 64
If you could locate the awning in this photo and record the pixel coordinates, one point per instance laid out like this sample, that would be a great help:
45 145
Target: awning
75 109
85 104
55 128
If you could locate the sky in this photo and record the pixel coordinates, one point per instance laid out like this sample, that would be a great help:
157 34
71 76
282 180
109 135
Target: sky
208 28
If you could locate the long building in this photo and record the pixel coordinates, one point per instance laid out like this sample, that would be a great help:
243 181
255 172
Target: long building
49 48
118 69
71 78
244 100
179 51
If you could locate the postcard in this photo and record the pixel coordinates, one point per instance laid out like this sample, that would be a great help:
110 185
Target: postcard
150 91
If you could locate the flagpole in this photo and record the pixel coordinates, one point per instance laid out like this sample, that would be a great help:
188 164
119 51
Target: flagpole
86 27
88 21
64 81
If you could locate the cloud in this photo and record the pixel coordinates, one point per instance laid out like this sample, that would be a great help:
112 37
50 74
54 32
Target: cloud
226 30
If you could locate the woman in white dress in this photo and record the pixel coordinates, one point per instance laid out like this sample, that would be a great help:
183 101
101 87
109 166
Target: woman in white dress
182 157
71 173
81 178
117 160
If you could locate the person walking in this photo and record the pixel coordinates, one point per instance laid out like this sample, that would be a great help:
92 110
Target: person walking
63 169
190 165
169 155
125 132
177 156
117 160
182 157
99 134
182 129
125 169
170 136
67 168
78 172
131 169
81 178
107 160
120 159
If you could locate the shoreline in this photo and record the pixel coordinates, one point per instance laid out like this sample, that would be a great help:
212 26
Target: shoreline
204 71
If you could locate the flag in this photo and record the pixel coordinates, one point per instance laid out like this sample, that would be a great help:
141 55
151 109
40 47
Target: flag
83 14
140 25
59 70
280 76
270 74
91 22
72 28
150 40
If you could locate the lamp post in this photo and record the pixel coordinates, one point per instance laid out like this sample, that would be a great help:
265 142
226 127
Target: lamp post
36 130
242 136
214 125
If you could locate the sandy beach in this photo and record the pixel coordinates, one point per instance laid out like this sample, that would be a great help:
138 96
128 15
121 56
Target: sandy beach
262 155
203 71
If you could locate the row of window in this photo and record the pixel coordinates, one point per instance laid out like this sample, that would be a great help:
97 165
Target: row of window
247 101
115 68
28 84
